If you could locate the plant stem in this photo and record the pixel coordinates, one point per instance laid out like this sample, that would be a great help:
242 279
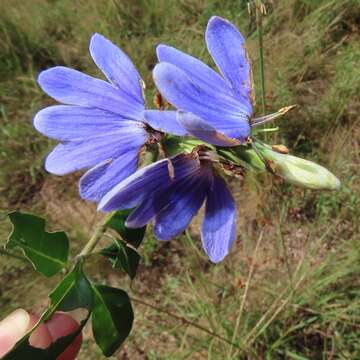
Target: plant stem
250 338
191 242
259 7
284 248
279 299
15 256
247 286
95 238
185 321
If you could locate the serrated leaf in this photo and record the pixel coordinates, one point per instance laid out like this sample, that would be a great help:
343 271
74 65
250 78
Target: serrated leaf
48 252
123 257
132 236
112 317
73 292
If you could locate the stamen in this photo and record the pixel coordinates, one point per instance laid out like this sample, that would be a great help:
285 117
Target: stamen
264 119
155 136
171 169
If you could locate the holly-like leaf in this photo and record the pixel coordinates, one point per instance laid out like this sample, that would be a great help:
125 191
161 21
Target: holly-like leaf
73 292
48 252
112 317
132 236
123 257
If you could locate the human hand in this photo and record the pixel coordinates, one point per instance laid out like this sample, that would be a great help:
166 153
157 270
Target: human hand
15 326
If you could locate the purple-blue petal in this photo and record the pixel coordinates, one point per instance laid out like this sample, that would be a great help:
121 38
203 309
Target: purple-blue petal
203 131
183 93
72 87
148 208
133 190
183 202
99 180
219 226
179 89
201 74
80 154
116 66
66 122
155 201
227 47
164 121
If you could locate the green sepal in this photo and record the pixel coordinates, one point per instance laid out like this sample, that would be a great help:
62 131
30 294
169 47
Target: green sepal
174 145
242 155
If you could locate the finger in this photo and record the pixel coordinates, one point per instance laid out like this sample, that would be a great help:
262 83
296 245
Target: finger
61 325
41 337
12 328
15 326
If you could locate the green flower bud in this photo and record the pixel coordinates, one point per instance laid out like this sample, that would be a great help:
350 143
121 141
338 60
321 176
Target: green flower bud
298 171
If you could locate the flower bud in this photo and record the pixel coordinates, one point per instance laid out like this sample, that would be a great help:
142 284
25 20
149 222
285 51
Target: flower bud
299 171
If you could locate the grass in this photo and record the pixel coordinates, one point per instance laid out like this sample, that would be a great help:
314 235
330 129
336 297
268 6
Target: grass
297 295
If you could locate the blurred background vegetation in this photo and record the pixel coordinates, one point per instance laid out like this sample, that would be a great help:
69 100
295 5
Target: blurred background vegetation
290 289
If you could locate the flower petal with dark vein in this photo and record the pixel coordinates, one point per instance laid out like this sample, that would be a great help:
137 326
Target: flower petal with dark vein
170 192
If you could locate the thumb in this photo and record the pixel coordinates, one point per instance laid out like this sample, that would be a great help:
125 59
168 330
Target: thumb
12 329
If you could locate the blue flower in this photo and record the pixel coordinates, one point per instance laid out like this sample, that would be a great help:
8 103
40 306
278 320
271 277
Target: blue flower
215 109
101 126
170 192
222 105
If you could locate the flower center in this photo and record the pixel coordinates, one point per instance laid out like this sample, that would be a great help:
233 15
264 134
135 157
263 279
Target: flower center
155 136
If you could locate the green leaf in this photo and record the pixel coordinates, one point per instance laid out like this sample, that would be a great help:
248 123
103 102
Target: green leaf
73 292
112 317
48 252
132 236
123 257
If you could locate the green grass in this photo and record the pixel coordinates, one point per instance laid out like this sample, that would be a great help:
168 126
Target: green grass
302 295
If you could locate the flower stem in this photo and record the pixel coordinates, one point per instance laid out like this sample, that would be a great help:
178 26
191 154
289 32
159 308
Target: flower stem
95 238
259 12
